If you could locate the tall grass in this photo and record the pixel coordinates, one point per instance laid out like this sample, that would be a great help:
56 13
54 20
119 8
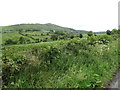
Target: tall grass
70 64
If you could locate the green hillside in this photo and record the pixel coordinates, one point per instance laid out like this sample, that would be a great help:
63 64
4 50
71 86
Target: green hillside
39 27
43 27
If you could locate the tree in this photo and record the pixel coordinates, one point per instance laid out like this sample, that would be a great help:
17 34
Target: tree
9 41
59 32
37 40
90 33
72 36
80 35
54 37
45 40
119 31
114 31
47 34
42 34
21 40
108 32
61 37
20 31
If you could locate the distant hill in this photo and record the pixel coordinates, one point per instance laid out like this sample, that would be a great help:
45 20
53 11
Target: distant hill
81 31
43 27
40 27
84 31
103 32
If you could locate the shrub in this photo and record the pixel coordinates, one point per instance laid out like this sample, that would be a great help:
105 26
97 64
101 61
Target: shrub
23 40
90 33
10 42
71 36
105 38
54 37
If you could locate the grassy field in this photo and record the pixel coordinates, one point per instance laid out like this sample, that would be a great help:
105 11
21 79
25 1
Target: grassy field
64 60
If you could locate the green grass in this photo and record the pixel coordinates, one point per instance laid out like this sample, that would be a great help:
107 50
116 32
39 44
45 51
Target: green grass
74 65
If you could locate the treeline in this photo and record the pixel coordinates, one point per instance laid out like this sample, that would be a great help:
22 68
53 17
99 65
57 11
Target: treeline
54 36
49 36
112 32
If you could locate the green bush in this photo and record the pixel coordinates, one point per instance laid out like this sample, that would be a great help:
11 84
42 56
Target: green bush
105 38
90 33
10 42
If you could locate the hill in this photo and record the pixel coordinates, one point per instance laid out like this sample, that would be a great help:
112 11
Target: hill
43 27
103 32
40 27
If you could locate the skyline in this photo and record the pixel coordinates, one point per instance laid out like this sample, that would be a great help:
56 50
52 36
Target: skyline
80 15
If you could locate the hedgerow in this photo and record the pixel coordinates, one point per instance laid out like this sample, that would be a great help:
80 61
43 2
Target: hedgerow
73 60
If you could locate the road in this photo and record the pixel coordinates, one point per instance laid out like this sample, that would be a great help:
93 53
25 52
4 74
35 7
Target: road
115 82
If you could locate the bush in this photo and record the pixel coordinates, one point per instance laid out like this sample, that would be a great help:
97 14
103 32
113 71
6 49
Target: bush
10 42
71 36
23 40
92 40
54 37
105 38
90 33
59 32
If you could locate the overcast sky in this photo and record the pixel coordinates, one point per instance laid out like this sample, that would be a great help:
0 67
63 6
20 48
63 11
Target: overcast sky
95 15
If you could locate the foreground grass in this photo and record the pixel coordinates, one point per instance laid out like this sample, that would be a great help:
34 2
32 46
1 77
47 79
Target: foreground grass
75 66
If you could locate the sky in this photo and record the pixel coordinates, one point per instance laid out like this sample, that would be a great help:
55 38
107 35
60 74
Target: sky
91 15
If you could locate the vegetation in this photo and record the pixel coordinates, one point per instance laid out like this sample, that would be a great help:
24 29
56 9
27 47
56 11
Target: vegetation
58 59
80 35
90 33
108 32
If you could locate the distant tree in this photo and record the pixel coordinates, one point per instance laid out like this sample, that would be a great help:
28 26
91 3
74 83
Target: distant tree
37 40
20 31
45 40
95 34
108 32
51 30
119 31
80 35
21 40
71 36
59 32
42 34
61 37
90 33
114 31
28 41
9 41
47 34
54 37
